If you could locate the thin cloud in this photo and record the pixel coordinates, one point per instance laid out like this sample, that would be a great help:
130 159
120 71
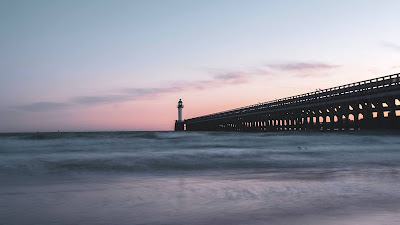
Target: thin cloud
131 94
42 106
302 66
308 75
219 80
98 99
391 45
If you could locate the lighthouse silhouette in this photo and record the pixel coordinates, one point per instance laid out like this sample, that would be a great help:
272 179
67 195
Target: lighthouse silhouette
179 124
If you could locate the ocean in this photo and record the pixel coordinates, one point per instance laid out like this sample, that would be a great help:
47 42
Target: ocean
278 178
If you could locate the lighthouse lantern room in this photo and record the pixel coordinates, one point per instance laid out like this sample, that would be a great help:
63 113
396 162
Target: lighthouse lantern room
180 106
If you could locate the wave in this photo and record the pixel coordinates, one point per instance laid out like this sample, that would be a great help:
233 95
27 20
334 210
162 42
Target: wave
58 153
175 135
201 161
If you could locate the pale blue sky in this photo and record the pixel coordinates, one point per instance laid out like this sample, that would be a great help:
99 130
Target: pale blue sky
60 60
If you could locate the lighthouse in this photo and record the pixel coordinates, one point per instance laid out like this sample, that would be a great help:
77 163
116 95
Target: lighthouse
179 125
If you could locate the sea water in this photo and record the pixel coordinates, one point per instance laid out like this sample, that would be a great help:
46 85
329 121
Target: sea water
200 178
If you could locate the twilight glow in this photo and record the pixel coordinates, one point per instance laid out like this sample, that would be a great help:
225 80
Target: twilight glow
123 65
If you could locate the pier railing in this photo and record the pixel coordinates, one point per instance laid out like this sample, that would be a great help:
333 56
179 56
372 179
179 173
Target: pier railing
360 88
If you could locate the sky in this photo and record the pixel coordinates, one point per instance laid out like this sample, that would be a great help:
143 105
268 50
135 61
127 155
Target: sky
100 65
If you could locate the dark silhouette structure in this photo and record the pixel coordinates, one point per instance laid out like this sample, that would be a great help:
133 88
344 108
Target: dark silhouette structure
369 104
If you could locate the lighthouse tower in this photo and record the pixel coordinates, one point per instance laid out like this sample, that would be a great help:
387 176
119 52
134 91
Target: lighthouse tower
179 125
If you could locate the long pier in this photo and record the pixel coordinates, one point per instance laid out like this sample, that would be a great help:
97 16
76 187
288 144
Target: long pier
368 104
